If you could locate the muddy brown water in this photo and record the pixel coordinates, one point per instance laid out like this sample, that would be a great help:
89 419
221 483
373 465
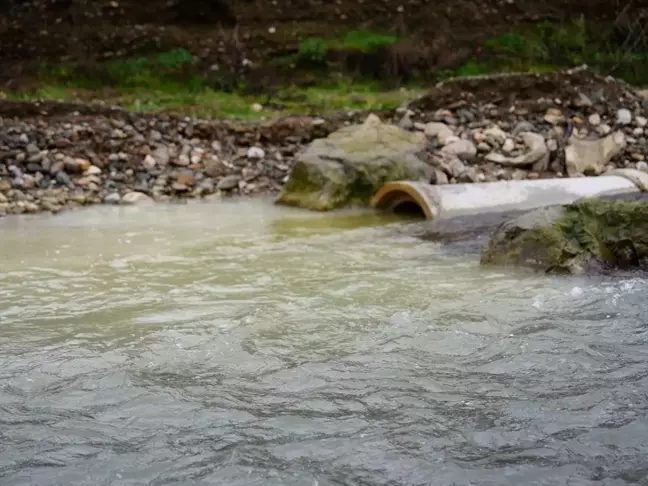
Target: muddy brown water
245 344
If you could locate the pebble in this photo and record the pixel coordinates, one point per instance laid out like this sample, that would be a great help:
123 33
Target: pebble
93 170
149 162
112 198
594 119
134 197
255 153
228 183
508 146
439 131
604 129
461 148
497 134
624 117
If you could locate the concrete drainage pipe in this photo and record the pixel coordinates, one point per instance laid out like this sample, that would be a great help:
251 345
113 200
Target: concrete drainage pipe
450 200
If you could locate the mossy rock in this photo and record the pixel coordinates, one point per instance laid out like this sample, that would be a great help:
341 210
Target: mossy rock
349 166
589 236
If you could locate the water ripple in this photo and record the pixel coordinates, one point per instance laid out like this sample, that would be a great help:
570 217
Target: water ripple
195 347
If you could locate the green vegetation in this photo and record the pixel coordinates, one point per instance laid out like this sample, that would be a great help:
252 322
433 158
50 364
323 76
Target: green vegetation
174 97
365 41
164 71
313 81
550 46
314 50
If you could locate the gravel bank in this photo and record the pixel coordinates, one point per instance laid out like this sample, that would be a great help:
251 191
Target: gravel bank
56 156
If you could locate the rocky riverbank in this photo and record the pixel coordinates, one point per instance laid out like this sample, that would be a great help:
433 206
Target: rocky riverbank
55 156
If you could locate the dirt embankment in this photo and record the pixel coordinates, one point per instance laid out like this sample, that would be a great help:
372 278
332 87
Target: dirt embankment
223 32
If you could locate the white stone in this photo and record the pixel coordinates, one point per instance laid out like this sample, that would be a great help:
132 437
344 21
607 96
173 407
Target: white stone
594 119
135 197
112 198
624 117
554 116
508 146
604 129
450 140
149 162
461 148
255 153
582 156
495 157
497 133
93 170
438 130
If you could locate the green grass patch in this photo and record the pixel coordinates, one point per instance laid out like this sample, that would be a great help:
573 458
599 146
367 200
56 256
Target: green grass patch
314 50
209 103
165 71
365 41
550 46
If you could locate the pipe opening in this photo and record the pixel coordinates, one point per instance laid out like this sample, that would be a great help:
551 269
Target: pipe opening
403 198
408 208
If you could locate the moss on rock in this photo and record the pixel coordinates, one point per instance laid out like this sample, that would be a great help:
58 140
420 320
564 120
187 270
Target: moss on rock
577 238
349 166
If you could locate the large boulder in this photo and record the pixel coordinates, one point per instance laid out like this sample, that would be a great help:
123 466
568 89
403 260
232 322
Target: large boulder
349 166
588 236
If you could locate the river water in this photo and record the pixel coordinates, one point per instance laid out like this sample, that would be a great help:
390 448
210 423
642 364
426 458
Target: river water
239 343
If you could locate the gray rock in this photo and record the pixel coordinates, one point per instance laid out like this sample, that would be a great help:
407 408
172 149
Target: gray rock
406 122
161 155
32 148
112 198
440 177
438 131
352 164
537 155
207 185
64 179
523 126
461 148
591 156
588 236
456 167
228 183
495 136
469 174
